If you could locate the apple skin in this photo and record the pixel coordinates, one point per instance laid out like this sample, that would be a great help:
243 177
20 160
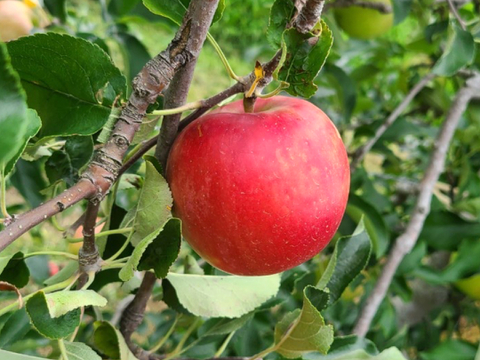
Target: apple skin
259 193
53 268
15 20
364 23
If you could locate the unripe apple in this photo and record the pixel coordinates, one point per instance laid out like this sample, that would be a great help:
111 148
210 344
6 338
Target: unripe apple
259 193
364 23
15 19
470 286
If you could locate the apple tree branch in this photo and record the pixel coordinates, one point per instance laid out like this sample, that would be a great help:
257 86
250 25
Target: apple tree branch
405 242
360 153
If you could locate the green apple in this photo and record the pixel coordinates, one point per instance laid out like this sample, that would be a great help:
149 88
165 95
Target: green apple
364 23
470 286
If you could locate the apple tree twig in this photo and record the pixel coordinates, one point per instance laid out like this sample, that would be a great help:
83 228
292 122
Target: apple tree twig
360 153
309 15
455 13
405 242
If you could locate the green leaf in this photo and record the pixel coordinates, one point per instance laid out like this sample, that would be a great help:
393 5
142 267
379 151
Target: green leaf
74 74
303 331
154 205
346 345
33 126
346 89
62 302
464 264
223 326
349 258
65 273
164 241
374 223
13 117
444 230
57 8
14 356
359 354
14 270
15 328
451 349
459 52
175 9
111 342
306 54
280 15
28 180
190 266
413 259
223 296
66 164
52 328
163 250
80 351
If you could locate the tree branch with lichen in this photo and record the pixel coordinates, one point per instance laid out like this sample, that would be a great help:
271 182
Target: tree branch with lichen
405 242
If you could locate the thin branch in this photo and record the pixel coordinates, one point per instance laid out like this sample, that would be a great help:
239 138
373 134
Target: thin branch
211 102
133 315
455 13
207 104
88 257
199 15
379 6
405 242
24 222
309 15
364 149
176 96
103 170
142 150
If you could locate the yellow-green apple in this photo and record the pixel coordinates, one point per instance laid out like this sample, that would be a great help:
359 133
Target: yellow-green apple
259 193
15 19
364 23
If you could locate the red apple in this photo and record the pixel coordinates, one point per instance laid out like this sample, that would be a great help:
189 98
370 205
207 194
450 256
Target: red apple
259 193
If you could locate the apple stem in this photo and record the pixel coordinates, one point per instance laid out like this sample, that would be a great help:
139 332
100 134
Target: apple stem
249 104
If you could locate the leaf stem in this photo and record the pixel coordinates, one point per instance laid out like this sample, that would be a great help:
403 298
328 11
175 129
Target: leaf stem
53 253
3 194
63 350
164 338
103 234
224 345
46 290
222 56
189 106
119 252
179 349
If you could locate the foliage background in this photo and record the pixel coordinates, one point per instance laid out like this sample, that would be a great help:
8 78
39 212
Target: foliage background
425 315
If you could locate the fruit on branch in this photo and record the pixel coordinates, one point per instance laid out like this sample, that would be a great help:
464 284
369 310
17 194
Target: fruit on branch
364 23
15 20
259 193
